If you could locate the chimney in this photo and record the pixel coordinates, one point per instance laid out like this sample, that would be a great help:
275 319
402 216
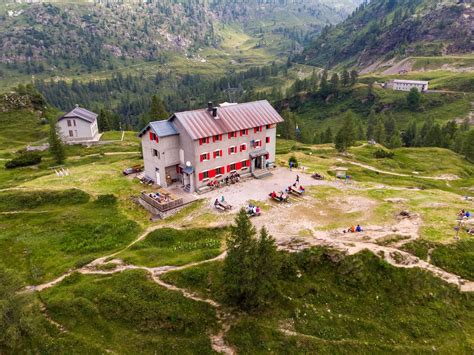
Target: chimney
209 106
214 112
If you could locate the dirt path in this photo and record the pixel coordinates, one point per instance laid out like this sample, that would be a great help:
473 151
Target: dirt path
224 318
446 177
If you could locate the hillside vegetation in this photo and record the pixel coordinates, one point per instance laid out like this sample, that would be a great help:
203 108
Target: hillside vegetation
380 30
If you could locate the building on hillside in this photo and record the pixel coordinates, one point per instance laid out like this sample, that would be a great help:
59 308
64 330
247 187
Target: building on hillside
79 125
194 147
407 85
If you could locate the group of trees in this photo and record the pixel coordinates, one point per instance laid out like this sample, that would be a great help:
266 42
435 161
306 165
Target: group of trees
252 266
126 100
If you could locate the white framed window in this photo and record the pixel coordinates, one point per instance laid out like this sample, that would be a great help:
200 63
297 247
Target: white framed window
155 153
232 150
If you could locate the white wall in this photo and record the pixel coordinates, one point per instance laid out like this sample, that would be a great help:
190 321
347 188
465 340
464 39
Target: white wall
81 130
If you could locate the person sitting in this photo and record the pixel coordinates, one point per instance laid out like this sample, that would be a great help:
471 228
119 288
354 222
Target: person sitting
462 213
302 188
256 210
358 229
216 202
353 229
273 194
281 197
467 214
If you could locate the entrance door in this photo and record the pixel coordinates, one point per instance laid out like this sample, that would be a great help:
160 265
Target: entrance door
258 163
158 181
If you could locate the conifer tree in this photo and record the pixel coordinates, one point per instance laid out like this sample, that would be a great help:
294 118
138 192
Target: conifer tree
354 76
251 266
346 78
414 99
56 147
324 88
468 146
345 137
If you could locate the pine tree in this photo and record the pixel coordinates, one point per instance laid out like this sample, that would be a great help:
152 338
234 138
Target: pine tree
354 76
409 137
335 84
267 268
251 266
414 99
379 131
328 136
56 147
395 140
345 137
346 78
371 123
468 146
324 88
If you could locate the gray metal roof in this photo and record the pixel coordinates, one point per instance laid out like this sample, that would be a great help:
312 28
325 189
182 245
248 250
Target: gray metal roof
230 118
81 113
163 128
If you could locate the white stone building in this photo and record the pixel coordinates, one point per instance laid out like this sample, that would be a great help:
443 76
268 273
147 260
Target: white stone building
79 125
193 148
407 85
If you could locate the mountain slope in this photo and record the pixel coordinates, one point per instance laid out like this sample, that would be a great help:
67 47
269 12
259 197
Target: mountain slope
68 36
385 29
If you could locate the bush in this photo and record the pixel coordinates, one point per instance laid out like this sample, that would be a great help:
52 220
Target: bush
382 154
25 159
293 161
106 200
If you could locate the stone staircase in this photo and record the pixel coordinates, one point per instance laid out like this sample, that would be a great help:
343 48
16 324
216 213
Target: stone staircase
261 173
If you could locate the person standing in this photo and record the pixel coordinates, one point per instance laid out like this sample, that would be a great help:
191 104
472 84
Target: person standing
297 178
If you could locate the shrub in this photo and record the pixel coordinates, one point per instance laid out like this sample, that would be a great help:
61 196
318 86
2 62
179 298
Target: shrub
293 161
382 154
106 200
25 159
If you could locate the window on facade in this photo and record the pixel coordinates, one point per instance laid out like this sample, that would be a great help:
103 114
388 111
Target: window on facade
258 129
155 153
245 164
243 147
74 122
258 143
219 170
205 156
217 138
217 153
153 137
233 166
267 139
71 134
69 123
232 135
232 150
244 132
204 141
204 175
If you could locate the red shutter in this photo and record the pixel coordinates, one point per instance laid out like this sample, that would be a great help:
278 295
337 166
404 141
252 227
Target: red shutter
220 151
201 176
267 140
220 137
267 156
228 168
200 141
201 157
238 166
255 130
214 154
156 138
229 135
212 173
229 150
151 135
241 133
208 156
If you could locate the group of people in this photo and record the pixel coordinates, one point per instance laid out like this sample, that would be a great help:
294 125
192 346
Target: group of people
463 214
253 210
222 204
353 229
281 196
230 179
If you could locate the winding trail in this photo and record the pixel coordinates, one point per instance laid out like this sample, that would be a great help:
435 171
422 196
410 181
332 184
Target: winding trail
372 168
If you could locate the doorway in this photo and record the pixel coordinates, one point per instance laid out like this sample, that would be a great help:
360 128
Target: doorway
158 180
